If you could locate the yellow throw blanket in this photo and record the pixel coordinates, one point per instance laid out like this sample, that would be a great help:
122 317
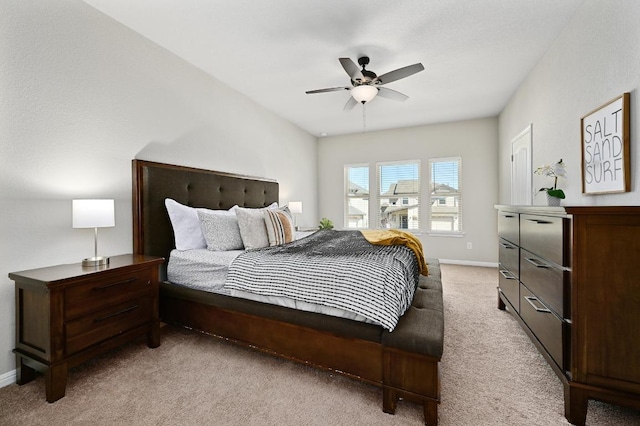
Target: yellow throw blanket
390 237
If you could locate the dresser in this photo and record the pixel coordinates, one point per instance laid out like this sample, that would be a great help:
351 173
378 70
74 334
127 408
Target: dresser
67 314
571 277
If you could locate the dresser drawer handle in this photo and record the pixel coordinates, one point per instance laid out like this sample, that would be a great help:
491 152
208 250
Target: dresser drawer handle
106 286
508 216
115 314
539 221
508 275
537 263
538 309
507 246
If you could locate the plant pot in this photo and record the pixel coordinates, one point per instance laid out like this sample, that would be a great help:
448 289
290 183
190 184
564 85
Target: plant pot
552 201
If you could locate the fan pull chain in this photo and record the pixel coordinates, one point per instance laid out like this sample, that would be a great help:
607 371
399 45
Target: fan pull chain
364 117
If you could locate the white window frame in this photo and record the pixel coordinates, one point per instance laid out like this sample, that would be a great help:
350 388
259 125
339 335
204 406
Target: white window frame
459 194
346 196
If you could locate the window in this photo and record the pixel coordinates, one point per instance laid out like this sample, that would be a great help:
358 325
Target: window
445 208
399 195
357 196
395 202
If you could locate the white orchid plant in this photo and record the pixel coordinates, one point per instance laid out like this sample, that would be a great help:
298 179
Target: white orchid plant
555 171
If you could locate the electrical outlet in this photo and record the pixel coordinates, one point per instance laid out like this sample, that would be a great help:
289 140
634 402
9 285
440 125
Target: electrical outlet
469 246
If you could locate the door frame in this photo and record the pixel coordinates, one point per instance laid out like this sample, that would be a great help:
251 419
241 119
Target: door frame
526 137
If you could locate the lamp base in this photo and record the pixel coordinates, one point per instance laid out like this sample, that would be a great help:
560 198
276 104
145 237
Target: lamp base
95 261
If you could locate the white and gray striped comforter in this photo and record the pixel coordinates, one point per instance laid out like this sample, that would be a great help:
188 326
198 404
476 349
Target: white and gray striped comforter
339 269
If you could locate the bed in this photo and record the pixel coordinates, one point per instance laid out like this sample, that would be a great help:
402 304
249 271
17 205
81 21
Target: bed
405 363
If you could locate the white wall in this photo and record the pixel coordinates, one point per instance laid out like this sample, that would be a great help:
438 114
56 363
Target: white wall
595 59
80 97
474 140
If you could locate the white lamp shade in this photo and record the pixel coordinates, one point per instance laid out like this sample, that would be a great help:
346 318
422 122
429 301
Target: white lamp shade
93 213
364 93
295 207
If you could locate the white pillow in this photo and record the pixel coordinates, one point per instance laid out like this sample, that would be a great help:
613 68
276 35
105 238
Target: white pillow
220 229
186 226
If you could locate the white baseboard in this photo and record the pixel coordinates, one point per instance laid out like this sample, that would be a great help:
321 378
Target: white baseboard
469 263
8 378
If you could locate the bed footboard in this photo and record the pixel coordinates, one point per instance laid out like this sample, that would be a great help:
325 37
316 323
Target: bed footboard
412 352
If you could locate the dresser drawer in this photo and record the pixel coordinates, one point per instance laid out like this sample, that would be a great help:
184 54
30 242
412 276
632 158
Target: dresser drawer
543 323
91 296
509 226
544 236
106 323
546 281
510 287
508 255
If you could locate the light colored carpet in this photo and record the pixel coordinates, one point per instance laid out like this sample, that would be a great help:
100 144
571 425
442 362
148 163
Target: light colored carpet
491 375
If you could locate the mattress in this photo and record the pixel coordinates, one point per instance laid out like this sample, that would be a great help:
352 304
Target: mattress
200 269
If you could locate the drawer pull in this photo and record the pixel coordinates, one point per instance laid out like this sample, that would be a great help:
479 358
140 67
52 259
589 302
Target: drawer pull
537 263
510 216
539 221
538 309
106 286
507 246
115 314
508 275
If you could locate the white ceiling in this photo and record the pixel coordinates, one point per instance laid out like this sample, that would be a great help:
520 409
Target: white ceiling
475 52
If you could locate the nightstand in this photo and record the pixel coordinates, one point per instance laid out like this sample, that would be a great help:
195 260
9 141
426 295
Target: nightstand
67 314
304 232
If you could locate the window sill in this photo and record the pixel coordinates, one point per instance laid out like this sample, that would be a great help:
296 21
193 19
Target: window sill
445 234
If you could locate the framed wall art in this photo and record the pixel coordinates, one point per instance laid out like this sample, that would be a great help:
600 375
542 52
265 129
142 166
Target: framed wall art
605 148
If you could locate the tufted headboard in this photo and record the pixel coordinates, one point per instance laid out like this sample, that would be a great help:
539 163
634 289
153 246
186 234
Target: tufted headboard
153 182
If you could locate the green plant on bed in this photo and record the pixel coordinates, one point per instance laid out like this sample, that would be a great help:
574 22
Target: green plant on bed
325 224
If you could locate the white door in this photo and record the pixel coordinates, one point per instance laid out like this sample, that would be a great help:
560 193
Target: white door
521 168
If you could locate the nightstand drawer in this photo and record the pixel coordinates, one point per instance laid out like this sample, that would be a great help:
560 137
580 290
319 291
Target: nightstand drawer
87 298
106 323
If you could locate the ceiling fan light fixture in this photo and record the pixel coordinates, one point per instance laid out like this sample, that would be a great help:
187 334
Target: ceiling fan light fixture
364 93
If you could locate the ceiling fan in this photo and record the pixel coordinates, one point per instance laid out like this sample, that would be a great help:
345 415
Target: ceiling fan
366 85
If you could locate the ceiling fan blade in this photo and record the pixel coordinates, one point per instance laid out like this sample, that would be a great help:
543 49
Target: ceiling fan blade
392 94
399 73
351 102
330 89
352 69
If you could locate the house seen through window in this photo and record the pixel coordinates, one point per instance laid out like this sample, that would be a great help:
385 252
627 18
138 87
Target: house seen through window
445 209
399 195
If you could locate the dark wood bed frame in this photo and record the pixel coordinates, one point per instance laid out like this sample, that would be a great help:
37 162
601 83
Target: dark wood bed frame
400 373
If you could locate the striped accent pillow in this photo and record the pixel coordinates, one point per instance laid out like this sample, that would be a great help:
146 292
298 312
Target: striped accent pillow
280 228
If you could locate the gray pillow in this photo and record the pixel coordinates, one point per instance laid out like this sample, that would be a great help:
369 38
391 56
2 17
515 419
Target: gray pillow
252 228
220 229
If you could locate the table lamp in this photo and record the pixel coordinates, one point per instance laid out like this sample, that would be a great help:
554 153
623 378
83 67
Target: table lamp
295 207
94 214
